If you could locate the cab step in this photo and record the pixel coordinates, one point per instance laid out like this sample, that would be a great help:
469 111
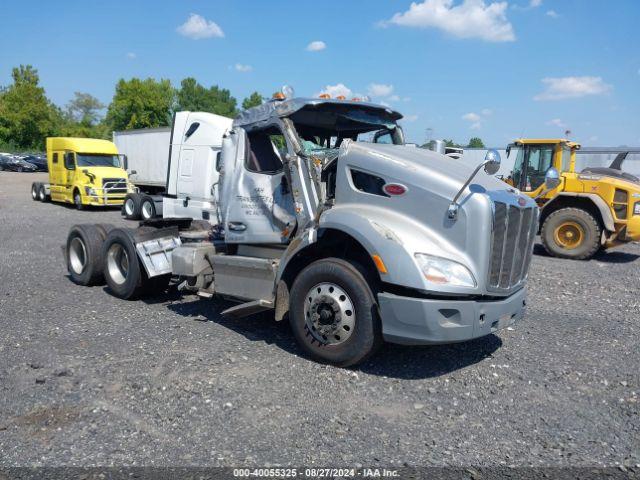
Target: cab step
249 308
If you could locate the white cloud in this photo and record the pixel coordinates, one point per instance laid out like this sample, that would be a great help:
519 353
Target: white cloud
316 46
394 98
408 99
470 19
380 90
131 56
197 27
476 126
337 90
242 68
471 117
556 122
560 88
535 3
410 118
552 14
486 112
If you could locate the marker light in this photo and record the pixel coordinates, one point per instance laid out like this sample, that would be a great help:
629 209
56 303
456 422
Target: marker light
278 96
394 189
355 99
341 97
324 95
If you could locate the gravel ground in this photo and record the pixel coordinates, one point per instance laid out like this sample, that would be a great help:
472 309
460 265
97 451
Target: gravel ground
87 379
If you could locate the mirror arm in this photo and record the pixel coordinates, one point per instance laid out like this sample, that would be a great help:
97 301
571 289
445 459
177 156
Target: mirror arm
452 211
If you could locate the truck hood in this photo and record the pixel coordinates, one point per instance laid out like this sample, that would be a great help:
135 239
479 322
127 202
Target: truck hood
104 172
438 173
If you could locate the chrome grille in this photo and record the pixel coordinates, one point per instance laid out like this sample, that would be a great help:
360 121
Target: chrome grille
114 185
513 232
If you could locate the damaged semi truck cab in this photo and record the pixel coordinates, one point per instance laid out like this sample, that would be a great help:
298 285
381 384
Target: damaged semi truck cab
320 213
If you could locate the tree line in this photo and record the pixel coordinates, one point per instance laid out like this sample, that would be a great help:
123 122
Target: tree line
27 116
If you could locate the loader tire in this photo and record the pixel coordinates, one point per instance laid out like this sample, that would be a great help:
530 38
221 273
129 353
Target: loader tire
571 233
131 208
84 254
124 273
334 314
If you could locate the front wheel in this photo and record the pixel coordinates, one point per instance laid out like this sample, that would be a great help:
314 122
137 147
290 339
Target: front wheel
333 313
571 233
77 200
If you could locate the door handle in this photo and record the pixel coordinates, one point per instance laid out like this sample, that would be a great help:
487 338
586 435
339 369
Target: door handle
237 226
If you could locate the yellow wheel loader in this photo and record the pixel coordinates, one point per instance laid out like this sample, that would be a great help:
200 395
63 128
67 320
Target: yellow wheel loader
597 208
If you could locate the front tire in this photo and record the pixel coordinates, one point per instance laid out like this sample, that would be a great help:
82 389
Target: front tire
77 200
84 254
571 233
333 313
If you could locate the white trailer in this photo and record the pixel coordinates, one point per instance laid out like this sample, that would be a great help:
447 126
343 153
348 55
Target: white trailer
147 156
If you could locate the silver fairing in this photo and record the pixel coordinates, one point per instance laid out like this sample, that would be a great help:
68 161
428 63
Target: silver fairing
396 228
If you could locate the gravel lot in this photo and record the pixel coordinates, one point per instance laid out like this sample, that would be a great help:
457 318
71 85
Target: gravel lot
87 379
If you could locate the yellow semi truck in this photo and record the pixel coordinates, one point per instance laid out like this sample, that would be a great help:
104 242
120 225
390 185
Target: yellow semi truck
83 171
590 210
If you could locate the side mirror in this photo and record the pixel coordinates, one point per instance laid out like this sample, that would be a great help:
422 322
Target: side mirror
218 161
492 162
125 162
508 151
552 179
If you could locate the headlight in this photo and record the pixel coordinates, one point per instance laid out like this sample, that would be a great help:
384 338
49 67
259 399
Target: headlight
636 208
440 271
90 191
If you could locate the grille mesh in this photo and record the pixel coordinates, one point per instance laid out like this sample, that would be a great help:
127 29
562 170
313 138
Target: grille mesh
514 231
115 185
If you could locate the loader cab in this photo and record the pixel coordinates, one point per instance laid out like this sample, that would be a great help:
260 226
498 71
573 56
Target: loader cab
533 158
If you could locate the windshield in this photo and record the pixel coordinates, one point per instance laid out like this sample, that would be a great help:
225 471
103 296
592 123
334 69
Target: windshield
97 160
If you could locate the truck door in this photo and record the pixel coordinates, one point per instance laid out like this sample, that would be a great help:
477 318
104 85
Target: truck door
260 208
199 144
69 173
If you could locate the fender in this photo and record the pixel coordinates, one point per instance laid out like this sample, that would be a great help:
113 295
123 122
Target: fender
605 211
395 238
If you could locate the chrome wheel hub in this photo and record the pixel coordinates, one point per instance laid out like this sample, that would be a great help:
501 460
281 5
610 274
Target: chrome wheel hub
77 255
128 207
147 210
329 314
118 263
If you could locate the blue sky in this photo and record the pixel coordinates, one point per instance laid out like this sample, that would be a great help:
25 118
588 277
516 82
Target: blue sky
463 68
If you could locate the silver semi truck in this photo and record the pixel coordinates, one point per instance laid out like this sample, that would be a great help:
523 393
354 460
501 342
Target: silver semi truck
355 243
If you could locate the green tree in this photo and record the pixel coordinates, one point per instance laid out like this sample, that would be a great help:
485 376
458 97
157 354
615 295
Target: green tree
253 100
141 104
27 116
194 97
475 142
451 143
84 108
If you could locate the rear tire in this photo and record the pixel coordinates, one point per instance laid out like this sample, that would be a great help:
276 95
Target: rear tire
333 313
35 186
42 194
132 206
571 233
124 273
84 254
147 208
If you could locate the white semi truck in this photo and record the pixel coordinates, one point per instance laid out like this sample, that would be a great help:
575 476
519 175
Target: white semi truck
146 156
355 243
